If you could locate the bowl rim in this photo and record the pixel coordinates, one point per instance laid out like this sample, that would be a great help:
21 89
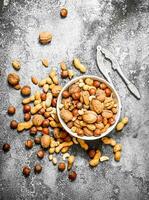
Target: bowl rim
64 124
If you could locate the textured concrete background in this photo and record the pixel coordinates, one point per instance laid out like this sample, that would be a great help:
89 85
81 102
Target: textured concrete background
119 25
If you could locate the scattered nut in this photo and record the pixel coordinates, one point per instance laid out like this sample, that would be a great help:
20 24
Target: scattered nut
29 144
61 166
13 79
37 168
6 147
11 110
13 124
45 141
26 171
72 175
45 37
26 90
45 62
40 153
34 80
16 64
63 12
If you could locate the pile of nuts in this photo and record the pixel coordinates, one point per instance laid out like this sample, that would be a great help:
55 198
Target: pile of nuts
88 107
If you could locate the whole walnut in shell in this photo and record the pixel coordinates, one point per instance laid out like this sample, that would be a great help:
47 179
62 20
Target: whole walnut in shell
37 120
13 79
101 95
96 106
89 117
66 115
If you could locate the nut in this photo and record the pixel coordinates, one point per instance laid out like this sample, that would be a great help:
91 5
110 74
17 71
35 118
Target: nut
56 90
125 120
45 141
104 158
119 126
13 124
33 130
13 79
16 64
45 37
91 153
11 110
66 115
6 147
63 12
117 156
61 166
89 117
107 114
72 175
96 106
40 153
79 66
26 171
117 147
26 90
37 140
34 80
26 108
29 144
87 132
37 120
27 117
45 62
37 168
96 83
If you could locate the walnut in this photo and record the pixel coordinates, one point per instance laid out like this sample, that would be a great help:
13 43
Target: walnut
96 106
66 115
109 103
13 79
101 95
89 117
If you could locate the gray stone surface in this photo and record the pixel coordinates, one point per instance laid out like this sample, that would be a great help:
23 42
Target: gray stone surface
119 25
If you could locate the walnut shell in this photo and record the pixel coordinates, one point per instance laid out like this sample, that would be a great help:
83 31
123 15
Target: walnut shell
66 115
13 79
96 106
89 117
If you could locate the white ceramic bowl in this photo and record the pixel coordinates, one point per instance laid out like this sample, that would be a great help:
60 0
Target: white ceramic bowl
117 115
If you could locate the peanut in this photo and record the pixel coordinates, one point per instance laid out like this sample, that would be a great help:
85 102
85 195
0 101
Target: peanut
78 65
36 108
117 156
70 162
54 76
83 144
34 80
95 161
24 126
28 100
62 145
117 147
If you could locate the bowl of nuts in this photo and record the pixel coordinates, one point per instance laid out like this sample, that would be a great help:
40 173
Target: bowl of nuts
88 107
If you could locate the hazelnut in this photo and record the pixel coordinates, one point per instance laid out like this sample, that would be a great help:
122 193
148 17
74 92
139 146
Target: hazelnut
43 96
108 92
13 124
61 166
11 110
91 153
45 131
111 121
45 123
103 86
92 91
40 153
6 147
64 74
33 131
75 112
65 94
26 90
29 144
27 117
99 118
41 111
26 108
13 79
96 83
63 12
72 175
26 171
37 168
37 140
54 102
105 121
76 95
97 132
